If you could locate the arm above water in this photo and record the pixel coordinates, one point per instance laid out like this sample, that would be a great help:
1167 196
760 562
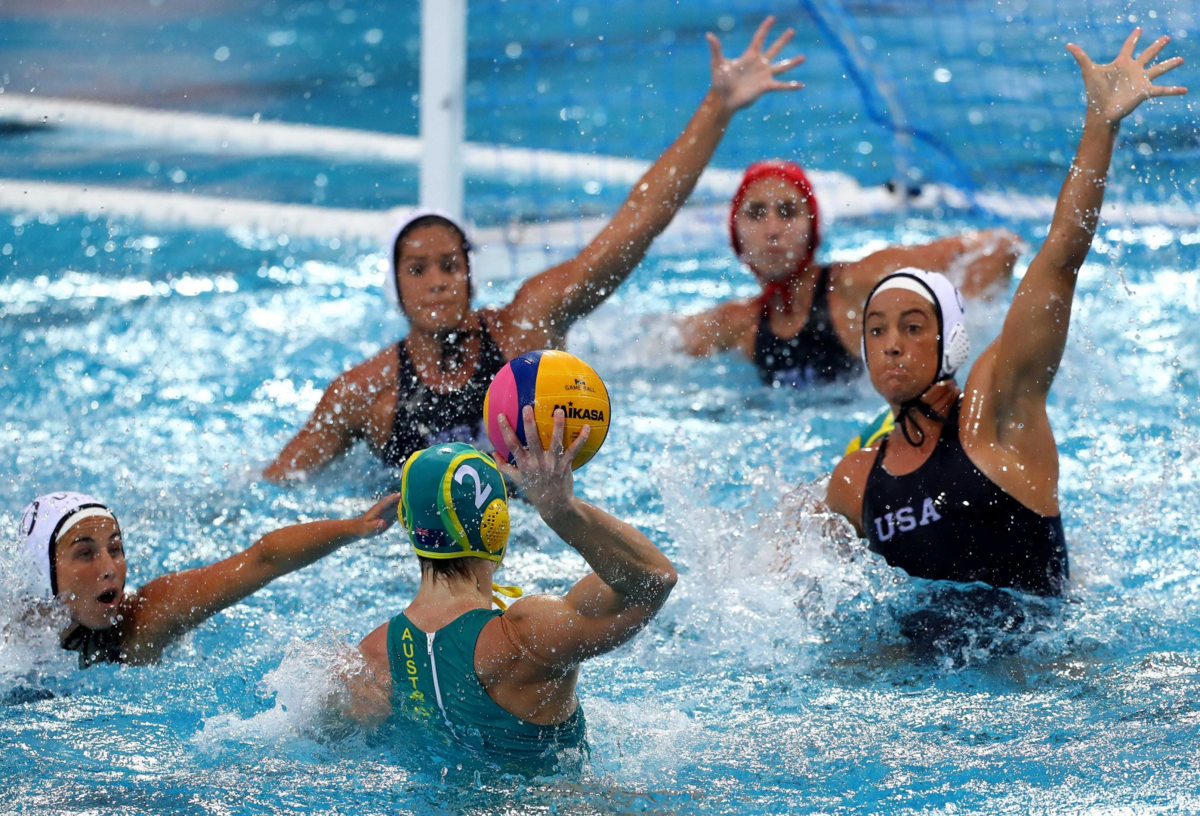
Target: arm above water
982 259
340 418
721 328
1030 346
631 579
546 306
169 606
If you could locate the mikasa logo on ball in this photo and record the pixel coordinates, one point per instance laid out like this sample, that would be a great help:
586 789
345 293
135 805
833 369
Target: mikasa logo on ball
590 414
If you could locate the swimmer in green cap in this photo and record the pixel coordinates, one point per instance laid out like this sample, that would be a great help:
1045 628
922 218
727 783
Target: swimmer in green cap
504 680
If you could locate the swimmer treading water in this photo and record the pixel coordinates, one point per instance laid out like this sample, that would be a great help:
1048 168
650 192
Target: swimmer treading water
429 387
963 489
972 494
804 327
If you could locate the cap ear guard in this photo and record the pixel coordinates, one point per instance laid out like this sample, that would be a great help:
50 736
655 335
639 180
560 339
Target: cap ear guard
954 344
44 520
956 349
454 503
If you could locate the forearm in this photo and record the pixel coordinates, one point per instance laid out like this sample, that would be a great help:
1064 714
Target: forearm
291 548
309 452
620 555
1077 211
660 193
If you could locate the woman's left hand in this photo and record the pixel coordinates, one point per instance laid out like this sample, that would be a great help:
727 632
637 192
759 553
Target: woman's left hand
739 82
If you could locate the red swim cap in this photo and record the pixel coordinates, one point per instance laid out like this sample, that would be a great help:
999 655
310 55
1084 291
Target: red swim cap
793 173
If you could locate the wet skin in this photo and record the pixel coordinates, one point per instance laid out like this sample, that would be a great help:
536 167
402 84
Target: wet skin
89 562
774 227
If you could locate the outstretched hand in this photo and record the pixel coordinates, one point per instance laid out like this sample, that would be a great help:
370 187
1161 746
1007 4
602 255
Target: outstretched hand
1115 90
543 476
739 82
380 517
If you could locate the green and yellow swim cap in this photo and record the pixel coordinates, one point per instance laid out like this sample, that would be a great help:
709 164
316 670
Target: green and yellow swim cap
454 503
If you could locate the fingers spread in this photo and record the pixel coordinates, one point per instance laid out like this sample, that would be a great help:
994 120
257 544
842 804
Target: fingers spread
532 439
579 442
1169 90
778 45
1130 43
510 438
786 65
760 36
1155 71
1080 56
714 47
1152 50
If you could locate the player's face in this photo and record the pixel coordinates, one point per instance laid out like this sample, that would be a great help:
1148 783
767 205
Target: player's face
431 273
89 565
902 344
774 226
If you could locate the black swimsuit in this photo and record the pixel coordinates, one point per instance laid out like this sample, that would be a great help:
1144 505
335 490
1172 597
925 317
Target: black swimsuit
947 521
426 417
814 355
95 645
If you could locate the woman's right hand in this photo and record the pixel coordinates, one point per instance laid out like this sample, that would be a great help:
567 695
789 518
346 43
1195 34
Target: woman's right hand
1115 90
739 82
543 476
380 517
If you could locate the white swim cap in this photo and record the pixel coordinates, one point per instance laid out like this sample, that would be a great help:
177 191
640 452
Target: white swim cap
44 521
954 346
406 221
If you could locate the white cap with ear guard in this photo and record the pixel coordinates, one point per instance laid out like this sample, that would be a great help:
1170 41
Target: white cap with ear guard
954 345
390 285
43 522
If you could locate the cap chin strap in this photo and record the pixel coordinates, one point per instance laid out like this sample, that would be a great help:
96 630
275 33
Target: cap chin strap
905 421
507 592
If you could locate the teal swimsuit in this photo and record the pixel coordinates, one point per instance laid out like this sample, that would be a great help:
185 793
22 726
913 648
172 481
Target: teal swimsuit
433 678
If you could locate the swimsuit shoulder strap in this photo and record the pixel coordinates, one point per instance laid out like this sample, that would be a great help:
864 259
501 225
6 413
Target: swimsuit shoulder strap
406 372
491 359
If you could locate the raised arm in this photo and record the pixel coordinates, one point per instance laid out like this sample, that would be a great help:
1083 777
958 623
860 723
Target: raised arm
978 260
556 298
173 604
1031 343
631 578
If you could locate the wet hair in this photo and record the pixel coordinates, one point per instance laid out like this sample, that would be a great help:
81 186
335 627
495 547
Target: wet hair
431 221
447 569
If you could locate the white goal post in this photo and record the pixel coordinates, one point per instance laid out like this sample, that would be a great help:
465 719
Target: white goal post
443 106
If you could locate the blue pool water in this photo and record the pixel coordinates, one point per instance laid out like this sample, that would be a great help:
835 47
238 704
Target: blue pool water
774 681
160 370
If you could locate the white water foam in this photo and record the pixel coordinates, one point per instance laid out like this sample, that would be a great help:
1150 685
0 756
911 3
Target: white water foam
309 692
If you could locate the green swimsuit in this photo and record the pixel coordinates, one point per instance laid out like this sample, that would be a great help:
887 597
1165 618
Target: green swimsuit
433 677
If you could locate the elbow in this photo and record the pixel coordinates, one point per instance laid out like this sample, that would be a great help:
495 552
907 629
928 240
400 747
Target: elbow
662 581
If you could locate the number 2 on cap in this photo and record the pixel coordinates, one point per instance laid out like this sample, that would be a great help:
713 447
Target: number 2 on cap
480 494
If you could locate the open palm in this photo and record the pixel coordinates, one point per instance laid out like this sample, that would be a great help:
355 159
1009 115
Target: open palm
739 82
1115 90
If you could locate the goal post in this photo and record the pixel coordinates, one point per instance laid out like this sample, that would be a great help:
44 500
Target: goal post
443 112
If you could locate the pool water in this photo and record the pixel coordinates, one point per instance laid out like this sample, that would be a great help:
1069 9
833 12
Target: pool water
160 370
776 679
